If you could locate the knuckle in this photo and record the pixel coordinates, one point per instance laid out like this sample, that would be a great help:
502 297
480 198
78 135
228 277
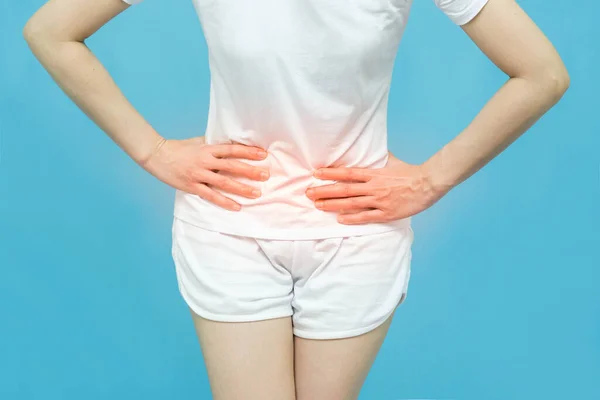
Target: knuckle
236 166
204 163
239 150
213 198
190 174
346 189
221 181
190 188
216 151
200 191
248 171
228 165
228 150
384 193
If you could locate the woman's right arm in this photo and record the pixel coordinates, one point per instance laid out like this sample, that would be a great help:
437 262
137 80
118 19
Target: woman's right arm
56 35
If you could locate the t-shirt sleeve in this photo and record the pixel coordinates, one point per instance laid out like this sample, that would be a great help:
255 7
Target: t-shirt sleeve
460 11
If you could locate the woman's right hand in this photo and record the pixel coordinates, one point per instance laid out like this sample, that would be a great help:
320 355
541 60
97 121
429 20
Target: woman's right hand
192 166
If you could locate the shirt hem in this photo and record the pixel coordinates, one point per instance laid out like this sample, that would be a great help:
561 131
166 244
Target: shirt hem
260 232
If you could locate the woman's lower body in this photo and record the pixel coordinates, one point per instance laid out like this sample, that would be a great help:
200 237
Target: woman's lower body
290 319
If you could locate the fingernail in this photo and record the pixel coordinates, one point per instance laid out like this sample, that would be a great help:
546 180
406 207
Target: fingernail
262 153
319 204
256 193
318 173
309 192
264 175
237 207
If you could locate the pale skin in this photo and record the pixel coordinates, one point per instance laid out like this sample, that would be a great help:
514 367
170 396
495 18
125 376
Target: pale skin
263 360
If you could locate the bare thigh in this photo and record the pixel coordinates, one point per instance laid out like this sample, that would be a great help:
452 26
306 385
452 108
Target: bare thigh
336 369
248 360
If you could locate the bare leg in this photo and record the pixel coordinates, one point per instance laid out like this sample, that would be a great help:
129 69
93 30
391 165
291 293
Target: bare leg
248 360
336 369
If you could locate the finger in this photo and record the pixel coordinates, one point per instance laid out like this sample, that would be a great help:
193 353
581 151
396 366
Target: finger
237 151
354 211
350 203
337 190
343 174
242 169
216 198
364 217
229 185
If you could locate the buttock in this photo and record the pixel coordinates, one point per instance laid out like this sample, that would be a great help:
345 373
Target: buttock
332 288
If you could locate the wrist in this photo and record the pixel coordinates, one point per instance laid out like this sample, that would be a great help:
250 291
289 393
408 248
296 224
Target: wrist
438 175
147 155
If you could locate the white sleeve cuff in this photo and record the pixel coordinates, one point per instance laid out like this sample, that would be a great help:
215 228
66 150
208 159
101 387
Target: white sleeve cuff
461 11
132 2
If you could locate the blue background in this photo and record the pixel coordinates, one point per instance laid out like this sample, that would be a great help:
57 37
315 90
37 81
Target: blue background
503 302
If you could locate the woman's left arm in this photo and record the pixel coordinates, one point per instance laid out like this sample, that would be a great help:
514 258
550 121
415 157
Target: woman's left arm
538 79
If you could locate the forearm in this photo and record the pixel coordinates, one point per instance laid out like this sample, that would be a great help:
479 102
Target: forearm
84 79
508 114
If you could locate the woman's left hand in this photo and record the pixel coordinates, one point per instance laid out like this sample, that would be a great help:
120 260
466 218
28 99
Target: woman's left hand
398 190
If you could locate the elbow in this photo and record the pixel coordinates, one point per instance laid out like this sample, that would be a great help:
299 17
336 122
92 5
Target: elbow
41 36
550 81
560 81
32 32
28 32
555 81
38 31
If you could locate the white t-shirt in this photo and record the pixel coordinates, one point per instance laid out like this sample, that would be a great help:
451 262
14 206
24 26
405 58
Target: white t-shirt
307 80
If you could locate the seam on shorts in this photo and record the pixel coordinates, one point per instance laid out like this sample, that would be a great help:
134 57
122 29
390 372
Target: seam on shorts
231 318
326 262
351 332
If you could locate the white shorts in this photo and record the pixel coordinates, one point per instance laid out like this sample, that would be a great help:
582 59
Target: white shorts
333 288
